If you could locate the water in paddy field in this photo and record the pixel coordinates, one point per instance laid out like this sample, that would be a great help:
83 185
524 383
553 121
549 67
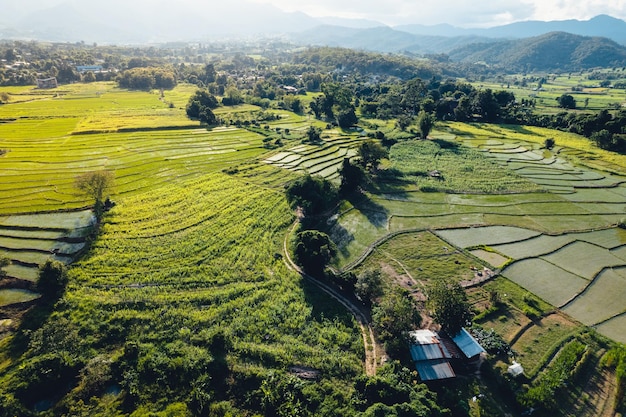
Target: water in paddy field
29 240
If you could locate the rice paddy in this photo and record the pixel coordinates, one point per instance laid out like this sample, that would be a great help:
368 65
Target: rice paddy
560 237
547 217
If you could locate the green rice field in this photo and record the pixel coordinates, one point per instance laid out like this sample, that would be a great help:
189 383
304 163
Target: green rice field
200 217
560 236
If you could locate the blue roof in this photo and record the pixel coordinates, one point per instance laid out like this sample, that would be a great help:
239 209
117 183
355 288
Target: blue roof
434 369
468 345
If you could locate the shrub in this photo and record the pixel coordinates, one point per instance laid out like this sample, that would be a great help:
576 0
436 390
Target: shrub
52 279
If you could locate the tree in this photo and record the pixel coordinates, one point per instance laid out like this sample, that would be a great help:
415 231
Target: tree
369 285
314 134
4 262
52 279
394 316
566 101
404 121
352 176
207 116
549 143
312 194
425 121
232 96
200 101
89 77
347 118
603 139
449 305
485 105
371 153
314 250
97 185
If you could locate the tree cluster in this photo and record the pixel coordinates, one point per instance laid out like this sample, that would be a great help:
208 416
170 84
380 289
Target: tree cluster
200 107
147 78
312 194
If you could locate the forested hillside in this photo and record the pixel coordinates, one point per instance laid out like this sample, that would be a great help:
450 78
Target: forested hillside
556 51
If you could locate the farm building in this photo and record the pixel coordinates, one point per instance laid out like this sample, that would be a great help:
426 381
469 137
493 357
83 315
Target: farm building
434 355
85 68
290 89
468 345
47 82
431 357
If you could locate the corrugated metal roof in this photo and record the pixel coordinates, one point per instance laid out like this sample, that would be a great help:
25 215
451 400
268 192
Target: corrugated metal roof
468 345
423 337
427 352
434 369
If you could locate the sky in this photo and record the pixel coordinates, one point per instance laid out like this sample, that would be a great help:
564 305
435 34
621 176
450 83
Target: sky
462 13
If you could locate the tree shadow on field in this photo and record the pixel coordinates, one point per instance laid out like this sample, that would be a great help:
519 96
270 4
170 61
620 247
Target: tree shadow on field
391 180
342 237
447 145
376 213
30 320
325 307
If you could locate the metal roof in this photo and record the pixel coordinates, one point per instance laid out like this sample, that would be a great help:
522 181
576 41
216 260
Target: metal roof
423 337
434 369
427 352
468 345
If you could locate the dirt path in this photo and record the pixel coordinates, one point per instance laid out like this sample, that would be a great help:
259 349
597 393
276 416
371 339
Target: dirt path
367 332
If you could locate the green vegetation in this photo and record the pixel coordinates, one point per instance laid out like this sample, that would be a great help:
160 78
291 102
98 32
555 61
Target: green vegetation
180 303
313 195
450 307
313 250
97 185
52 280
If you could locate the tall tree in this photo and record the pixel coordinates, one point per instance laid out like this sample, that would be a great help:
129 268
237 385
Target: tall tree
312 194
566 101
97 185
449 305
352 176
52 279
393 317
425 122
371 153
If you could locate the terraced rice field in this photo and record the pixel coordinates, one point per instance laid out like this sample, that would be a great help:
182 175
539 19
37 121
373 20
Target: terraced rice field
29 240
561 238
322 159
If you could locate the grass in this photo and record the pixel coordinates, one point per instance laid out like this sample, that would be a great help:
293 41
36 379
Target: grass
492 235
539 340
583 259
614 327
424 256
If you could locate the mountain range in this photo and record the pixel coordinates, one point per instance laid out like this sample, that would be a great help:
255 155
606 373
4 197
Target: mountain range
159 21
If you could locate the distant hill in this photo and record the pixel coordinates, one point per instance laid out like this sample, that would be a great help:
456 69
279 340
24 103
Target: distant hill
552 51
382 39
602 25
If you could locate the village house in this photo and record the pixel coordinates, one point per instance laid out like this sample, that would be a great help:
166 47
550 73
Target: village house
437 356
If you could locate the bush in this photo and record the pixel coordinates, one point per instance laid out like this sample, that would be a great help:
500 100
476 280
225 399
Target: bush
314 250
312 194
52 279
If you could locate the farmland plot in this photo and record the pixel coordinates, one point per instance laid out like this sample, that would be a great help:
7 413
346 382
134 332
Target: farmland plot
607 291
549 282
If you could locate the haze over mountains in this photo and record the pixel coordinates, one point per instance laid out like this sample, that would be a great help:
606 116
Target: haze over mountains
157 21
